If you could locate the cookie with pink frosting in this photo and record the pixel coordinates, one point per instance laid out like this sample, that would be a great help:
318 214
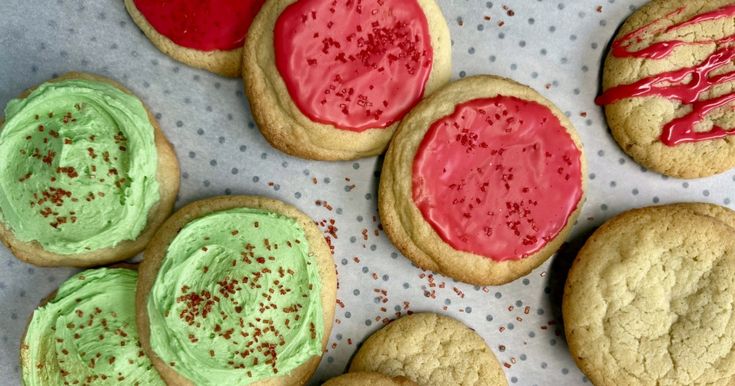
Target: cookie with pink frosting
483 181
202 34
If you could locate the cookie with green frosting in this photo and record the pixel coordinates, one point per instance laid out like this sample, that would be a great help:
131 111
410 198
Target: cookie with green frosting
87 174
85 333
236 290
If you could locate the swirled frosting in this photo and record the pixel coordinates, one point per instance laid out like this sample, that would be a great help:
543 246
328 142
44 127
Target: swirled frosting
79 166
87 334
237 299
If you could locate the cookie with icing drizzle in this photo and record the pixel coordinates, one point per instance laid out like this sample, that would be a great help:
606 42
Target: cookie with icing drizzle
88 175
649 299
330 80
203 34
668 87
236 290
482 182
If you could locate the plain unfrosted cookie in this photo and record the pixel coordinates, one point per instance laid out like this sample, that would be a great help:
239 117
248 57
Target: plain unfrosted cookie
649 299
430 349
356 69
483 181
232 290
368 378
655 126
63 162
202 34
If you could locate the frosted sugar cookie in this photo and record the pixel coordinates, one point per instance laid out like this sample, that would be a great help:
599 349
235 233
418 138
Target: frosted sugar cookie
87 174
236 290
203 34
85 333
330 80
483 181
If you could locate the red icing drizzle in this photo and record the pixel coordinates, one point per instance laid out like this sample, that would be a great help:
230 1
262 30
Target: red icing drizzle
685 85
354 64
204 25
499 177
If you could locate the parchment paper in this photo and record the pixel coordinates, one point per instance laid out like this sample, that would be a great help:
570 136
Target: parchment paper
553 46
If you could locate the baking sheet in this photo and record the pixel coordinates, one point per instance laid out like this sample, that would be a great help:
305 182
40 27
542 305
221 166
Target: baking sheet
553 46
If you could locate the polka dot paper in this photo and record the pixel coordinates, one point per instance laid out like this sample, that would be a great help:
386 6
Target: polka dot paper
554 46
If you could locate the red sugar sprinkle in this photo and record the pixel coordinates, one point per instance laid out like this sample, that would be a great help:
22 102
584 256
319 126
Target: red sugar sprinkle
195 305
49 158
70 171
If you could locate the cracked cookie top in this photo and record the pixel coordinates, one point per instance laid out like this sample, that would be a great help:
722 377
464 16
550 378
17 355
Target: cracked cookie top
430 349
649 299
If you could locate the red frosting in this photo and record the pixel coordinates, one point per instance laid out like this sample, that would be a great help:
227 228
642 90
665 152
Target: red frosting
354 64
205 25
685 85
499 177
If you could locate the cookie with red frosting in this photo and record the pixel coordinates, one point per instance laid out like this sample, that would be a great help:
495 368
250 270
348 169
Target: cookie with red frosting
207 34
331 80
483 181
668 87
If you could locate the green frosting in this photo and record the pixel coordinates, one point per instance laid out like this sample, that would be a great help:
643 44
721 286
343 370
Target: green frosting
87 334
237 299
78 166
